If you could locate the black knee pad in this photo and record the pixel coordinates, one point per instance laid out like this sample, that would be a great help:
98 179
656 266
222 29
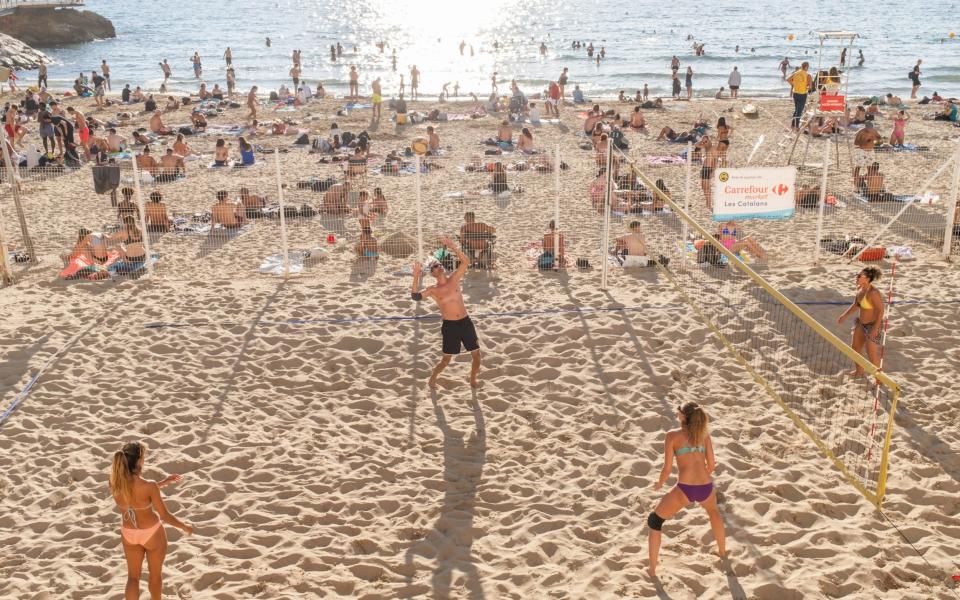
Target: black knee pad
655 521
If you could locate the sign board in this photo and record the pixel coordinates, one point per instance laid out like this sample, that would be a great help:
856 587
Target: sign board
754 193
832 103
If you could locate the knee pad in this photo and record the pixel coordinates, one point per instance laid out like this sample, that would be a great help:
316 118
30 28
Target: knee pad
655 521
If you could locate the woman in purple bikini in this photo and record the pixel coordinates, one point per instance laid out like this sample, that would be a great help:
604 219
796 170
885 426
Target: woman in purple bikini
694 451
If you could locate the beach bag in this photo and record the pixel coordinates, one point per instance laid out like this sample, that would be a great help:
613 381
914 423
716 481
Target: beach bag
303 140
545 261
873 253
619 140
346 138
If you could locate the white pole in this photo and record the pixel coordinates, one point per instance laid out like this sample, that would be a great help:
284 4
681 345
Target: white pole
687 184
416 185
142 210
822 200
556 211
15 190
952 207
283 219
607 201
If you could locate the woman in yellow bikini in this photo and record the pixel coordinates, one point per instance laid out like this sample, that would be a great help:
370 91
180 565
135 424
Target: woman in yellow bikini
141 528
869 325
693 449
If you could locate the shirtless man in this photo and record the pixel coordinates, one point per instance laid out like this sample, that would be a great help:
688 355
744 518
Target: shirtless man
505 134
457 328
230 216
171 166
114 141
433 141
632 244
252 104
476 239
354 82
335 199
157 126
414 82
295 75
145 162
864 143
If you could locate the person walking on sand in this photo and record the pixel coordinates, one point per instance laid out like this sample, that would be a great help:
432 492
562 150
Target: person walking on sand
693 450
868 327
142 516
252 104
799 82
414 82
915 80
457 329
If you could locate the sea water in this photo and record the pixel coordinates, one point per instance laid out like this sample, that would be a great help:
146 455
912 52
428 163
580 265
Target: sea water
639 37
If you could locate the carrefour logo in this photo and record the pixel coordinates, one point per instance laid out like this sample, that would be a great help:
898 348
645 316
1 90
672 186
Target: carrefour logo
781 189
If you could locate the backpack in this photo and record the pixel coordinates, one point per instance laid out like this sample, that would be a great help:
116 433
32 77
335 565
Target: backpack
619 140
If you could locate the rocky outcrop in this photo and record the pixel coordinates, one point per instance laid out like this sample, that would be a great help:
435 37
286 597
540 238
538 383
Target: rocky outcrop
48 27
19 56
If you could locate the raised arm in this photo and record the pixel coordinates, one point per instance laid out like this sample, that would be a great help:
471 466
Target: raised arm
161 508
461 258
667 463
415 292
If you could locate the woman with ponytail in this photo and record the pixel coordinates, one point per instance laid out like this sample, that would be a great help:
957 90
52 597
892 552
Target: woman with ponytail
695 461
143 514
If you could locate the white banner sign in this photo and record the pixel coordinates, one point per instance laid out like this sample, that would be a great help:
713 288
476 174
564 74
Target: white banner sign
754 193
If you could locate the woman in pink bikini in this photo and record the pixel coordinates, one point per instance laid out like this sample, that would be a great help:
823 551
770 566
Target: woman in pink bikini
141 529
695 461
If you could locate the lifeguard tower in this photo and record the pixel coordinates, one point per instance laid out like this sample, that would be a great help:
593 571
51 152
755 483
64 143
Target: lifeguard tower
831 83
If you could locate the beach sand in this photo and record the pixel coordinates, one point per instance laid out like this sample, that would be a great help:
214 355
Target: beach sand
317 464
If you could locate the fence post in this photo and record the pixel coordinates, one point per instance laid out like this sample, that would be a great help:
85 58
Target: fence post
416 187
822 200
283 219
952 206
556 212
607 201
142 212
7 273
15 190
686 202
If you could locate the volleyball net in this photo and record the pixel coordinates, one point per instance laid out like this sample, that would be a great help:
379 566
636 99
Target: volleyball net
801 364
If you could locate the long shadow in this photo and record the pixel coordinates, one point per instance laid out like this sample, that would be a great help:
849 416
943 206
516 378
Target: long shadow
565 283
231 385
362 269
218 238
452 534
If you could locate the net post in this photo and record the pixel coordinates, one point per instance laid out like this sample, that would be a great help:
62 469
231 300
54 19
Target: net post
5 272
142 213
684 233
416 185
556 210
15 191
822 200
283 218
607 201
952 206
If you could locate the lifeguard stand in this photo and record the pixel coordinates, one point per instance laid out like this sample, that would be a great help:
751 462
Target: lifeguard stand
830 90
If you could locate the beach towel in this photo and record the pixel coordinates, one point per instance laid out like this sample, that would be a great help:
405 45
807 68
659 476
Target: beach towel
665 159
273 264
531 253
355 106
543 122
79 267
927 198
126 268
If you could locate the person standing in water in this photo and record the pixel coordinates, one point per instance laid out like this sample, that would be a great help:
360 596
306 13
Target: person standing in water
414 82
693 449
143 514
457 329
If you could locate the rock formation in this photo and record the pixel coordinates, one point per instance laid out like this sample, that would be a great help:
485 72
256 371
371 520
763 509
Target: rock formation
48 27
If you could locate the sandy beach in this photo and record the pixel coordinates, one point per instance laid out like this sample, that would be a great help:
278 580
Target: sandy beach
316 462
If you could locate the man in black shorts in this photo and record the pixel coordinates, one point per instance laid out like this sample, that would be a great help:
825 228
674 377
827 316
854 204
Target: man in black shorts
457 329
